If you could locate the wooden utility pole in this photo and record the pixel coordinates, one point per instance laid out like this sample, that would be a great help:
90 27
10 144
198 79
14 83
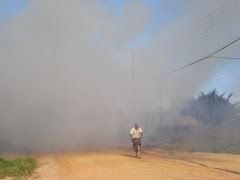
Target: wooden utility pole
133 89
211 21
160 108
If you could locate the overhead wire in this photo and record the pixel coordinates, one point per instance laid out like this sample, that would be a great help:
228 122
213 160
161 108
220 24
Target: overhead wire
224 13
220 57
207 18
228 16
202 59
213 22
211 17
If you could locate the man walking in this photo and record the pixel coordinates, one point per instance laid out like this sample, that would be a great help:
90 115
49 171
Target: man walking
136 135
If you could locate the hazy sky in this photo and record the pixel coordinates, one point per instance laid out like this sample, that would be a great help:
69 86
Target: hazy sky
162 13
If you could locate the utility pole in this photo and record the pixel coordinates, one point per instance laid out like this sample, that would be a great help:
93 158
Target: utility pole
133 88
160 108
211 20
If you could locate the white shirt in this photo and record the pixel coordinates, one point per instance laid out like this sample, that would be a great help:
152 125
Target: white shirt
136 133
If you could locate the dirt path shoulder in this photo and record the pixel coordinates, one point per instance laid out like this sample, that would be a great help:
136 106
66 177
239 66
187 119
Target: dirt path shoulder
121 164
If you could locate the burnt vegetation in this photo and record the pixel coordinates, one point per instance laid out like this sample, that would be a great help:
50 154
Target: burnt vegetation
208 123
211 108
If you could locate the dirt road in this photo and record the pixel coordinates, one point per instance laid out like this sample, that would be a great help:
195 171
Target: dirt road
122 165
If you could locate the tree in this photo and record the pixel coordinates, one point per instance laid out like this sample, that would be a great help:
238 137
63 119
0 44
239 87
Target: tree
210 108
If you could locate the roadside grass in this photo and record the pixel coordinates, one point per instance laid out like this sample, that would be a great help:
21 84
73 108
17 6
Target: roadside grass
204 147
19 167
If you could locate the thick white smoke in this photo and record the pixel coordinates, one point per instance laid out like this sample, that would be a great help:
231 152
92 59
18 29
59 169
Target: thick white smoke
65 70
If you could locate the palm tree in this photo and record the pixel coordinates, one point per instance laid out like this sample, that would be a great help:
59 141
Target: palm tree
211 108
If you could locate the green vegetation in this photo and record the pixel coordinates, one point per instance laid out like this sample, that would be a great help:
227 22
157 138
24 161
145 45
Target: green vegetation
205 147
19 167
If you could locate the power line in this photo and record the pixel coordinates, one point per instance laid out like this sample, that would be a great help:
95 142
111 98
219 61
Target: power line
228 16
214 21
227 12
226 7
214 25
219 57
206 19
204 58
216 17
192 37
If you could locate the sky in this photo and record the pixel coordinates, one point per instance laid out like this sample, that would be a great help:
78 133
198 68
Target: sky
223 79
11 8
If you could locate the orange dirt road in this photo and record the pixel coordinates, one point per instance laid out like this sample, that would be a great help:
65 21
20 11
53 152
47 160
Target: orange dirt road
122 165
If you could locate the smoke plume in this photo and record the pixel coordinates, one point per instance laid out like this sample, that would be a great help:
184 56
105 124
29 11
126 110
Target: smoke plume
66 69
